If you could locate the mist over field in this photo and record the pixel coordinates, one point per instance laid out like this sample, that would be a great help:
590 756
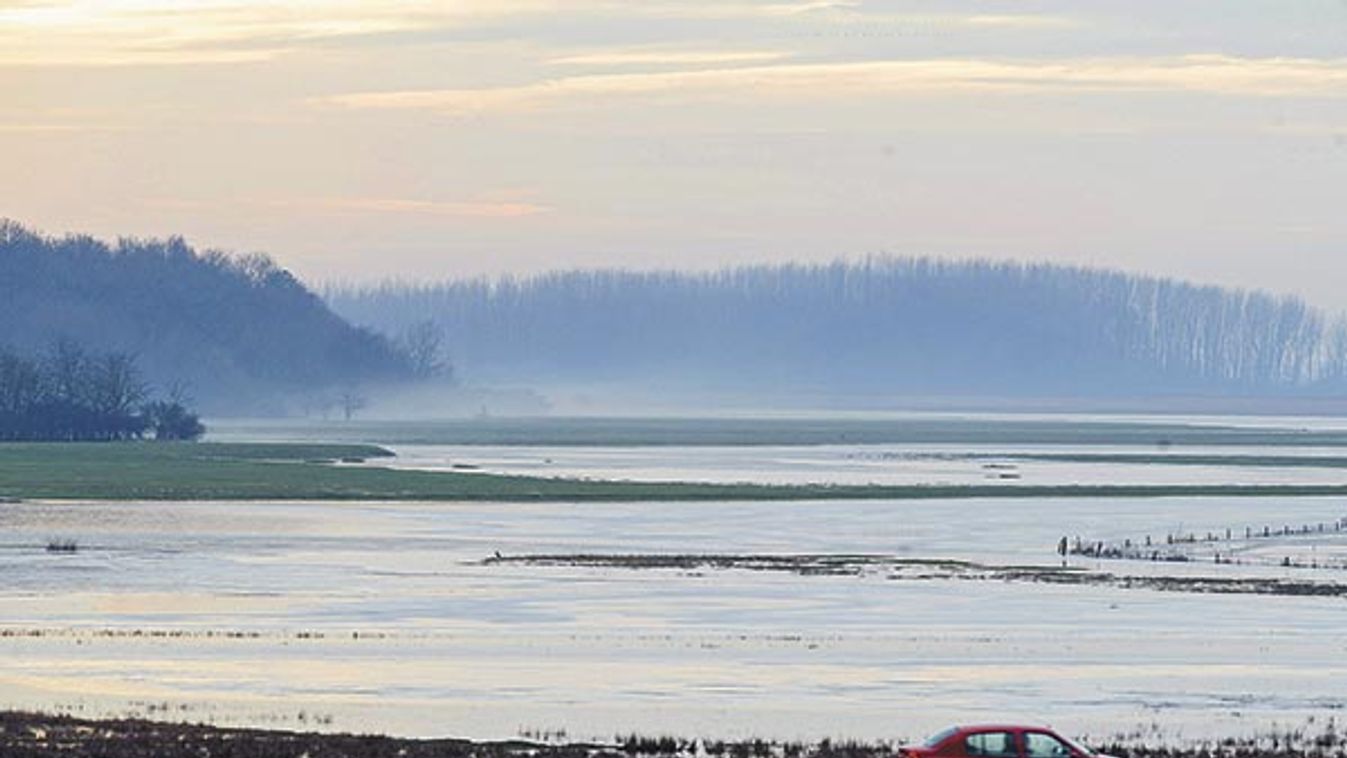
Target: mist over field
866 332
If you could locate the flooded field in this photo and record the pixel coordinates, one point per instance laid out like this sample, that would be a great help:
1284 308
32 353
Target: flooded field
788 620
1008 465
397 618
899 450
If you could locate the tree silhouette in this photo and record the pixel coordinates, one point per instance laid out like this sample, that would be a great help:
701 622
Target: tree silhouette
243 332
423 344
70 394
878 326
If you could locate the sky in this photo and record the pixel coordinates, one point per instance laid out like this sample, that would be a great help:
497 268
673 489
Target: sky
361 140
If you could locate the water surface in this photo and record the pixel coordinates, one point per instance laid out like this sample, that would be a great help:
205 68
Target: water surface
382 617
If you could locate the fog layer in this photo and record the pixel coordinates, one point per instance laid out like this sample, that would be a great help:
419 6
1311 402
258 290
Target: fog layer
884 327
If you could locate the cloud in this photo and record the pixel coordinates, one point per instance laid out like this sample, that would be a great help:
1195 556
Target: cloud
1019 21
491 205
1212 74
667 57
851 13
485 208
152 32
744 10
51 128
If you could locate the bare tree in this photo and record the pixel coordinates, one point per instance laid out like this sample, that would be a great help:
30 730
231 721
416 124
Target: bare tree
115 385
423 343
66 368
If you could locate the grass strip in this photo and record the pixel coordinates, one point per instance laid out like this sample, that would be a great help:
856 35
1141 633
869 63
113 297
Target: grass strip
280 471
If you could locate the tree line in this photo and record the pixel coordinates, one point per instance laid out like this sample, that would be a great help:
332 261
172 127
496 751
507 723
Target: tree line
242 332
875 326
70 394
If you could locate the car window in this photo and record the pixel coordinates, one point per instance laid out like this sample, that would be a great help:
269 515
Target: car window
995 744
1040 745
939 737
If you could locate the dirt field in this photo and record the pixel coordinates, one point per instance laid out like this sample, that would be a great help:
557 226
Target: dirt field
23 735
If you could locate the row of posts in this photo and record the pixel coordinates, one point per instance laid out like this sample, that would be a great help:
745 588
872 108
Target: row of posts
1151 550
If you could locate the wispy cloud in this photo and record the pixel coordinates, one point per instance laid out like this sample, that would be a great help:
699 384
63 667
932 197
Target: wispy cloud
487 206
852 13
695 9
152 32
668 57
1214 74
1019 21
483 208
39 128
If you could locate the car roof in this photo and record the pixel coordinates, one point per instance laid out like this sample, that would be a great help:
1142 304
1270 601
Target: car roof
1001 727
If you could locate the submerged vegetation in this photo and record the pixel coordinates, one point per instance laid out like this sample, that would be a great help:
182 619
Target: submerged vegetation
62 546
903 568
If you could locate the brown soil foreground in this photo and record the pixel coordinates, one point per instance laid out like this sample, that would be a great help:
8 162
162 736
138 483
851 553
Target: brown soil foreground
30 734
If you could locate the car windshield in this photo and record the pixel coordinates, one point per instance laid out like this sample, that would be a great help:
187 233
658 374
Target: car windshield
939 737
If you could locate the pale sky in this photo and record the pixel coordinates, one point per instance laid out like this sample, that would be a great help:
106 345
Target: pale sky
363 140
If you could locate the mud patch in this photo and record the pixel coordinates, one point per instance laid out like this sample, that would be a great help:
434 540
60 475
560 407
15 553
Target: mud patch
895 568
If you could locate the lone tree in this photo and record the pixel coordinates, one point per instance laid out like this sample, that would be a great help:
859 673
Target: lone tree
423 344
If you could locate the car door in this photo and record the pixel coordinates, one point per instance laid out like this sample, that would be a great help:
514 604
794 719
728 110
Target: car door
992 743
1038 744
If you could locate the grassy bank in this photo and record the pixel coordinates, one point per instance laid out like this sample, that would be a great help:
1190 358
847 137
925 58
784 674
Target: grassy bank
280 471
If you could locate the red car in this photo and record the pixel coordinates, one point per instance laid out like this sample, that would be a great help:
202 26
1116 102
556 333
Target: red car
998 741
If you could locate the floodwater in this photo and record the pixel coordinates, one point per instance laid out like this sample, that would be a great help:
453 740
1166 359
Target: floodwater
1005 465
383 617
1037 450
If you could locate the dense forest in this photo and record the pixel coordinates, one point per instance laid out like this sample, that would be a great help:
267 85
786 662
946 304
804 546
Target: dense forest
69 394
240 334
879 327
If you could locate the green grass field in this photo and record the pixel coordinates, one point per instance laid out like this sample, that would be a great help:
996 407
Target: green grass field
281 471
